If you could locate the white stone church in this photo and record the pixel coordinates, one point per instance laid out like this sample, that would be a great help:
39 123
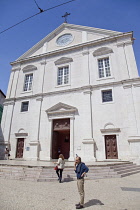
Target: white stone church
77 91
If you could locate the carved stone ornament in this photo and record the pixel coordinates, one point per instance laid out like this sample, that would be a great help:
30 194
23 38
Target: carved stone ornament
110 130
29 68
63 60
102 51
61 109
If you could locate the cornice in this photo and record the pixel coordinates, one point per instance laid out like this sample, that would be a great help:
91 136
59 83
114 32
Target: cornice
81 45
16 69
21 134
121 44
132 139
9 102
85 89
43 62
110 130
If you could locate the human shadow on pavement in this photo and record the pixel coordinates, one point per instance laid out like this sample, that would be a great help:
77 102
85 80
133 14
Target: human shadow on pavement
93 202
68 179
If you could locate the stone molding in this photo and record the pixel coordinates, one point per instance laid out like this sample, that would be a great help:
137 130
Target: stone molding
122 44
85 52
34 143
39 98
4 143
132 139
88 141
87 92
81 89
127 86
16 69
43 62
29 68
6 103
63 60
81 45
110 130
21 134
102 51
136 85
61 109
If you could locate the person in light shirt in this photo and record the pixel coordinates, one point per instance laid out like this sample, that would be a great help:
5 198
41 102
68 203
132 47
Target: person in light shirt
60 163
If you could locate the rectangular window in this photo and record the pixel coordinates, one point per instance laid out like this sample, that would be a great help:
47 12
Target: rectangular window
28 82
107 96
24 106
104 68
63 75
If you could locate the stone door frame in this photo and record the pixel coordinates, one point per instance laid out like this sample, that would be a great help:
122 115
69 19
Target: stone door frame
61 111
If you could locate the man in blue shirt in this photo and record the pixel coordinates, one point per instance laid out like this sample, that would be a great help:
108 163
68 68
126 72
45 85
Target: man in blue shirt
80 169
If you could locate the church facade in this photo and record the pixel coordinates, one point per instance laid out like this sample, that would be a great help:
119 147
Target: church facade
77 91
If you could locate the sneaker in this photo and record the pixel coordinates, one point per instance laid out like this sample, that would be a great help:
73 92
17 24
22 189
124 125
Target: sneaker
79 207
78 204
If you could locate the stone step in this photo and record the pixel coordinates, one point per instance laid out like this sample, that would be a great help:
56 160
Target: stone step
73 174
130 173
128 170
122 165
49 174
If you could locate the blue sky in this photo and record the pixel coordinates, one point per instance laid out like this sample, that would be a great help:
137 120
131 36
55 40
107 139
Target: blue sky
117 15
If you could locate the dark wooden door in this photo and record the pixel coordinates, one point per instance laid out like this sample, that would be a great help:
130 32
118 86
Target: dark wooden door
111 147
55 145
61 138
20 147
64 142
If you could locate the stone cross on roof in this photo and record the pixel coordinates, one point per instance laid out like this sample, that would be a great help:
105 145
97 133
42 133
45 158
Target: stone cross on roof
65 16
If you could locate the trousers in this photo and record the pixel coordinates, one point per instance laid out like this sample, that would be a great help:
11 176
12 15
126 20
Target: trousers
80 185
59 173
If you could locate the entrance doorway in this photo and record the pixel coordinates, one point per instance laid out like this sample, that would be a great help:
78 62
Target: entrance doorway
111 147
20 147
61 138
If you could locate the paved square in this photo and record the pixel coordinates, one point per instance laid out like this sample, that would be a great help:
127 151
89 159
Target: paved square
102 194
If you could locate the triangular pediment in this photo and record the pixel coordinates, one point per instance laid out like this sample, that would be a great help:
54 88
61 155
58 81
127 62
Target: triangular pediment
61 108
80 34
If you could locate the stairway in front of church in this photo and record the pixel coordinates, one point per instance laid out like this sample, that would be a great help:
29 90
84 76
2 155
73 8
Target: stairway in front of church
48 174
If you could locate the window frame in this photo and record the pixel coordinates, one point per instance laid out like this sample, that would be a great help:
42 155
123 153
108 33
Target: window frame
104 90
99 57
22 111
59 67
104 68
28 82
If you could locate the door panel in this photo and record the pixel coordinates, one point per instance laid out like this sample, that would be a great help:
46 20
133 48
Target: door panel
111 147
55 145
20 147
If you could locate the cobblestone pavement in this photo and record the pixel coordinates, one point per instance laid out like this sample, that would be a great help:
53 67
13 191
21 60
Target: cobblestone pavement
102 194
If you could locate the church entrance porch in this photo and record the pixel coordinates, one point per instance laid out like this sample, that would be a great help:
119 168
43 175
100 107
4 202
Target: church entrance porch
61 138
20 147
111 147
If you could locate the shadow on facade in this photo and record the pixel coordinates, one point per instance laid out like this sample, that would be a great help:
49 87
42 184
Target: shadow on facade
93 202
95 149
2 145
